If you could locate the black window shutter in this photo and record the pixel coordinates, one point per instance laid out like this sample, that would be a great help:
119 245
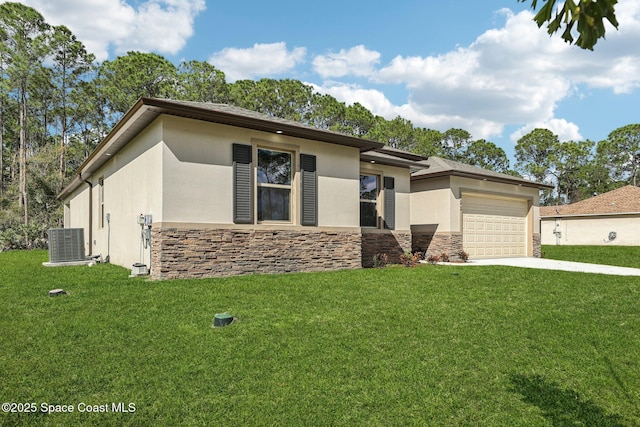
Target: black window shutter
309 186
242 184
389 202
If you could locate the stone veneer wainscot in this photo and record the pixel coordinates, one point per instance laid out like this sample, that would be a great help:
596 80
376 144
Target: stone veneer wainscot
392 243
195 253
438 243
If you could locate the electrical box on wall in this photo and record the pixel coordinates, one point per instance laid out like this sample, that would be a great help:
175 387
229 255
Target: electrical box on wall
145 219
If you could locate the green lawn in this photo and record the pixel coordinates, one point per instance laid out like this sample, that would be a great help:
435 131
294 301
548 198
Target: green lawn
434 345
625 256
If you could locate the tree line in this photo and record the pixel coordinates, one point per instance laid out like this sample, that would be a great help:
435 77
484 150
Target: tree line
57 103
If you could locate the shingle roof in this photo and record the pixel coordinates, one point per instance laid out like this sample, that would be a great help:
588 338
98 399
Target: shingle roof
622 200
241 117
442 167
148 109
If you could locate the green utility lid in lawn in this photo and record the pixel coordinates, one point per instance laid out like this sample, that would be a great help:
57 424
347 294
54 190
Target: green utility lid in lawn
222 319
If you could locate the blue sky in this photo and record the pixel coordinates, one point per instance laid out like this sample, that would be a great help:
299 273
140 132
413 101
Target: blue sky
483 66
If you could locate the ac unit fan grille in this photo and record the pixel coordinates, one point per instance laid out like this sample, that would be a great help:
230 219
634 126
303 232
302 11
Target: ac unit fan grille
66 244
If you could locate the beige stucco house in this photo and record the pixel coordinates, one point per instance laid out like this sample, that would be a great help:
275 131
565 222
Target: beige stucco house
455 206
228 191
193 189
611 218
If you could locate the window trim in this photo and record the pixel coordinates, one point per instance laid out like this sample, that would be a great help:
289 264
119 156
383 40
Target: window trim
386 198
378 177
294 152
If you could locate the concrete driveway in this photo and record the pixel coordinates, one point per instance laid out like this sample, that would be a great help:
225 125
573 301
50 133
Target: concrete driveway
551 264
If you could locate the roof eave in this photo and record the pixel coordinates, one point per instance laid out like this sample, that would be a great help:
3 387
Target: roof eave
519 182
145 110
254 123
370 157
119 136
588 215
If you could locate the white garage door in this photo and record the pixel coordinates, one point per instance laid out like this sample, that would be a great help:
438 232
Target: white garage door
494 227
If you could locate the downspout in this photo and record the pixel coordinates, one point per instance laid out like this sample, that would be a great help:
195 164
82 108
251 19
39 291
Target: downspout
90 213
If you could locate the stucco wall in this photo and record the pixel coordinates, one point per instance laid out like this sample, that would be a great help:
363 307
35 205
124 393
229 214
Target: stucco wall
180 171
593 230
460 185
437 200
198 172
431 204
77 216
132 185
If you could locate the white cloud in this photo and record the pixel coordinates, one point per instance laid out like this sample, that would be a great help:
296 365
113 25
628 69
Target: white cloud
615 62
565 130
259 60
372 99
162 25
155 25
357 61
513 75
376 102
506 76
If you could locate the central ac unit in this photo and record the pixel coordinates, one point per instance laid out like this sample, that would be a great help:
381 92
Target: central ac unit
66 244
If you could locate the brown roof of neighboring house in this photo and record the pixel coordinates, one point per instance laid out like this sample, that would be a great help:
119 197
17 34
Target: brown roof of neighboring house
622 200
444 167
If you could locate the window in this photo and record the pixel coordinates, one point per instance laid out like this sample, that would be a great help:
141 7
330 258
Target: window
268 186
369 201
374 213
274 176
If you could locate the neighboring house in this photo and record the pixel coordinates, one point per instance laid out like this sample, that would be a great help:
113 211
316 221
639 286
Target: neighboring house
230 191
611 218
199 189
455 206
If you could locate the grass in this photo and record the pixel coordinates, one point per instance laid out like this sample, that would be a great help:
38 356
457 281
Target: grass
433 345
624 256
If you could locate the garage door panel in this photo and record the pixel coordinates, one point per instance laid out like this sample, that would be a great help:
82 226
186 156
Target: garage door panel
494 227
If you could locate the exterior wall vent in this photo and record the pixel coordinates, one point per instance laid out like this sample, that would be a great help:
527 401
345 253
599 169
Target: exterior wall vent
66 244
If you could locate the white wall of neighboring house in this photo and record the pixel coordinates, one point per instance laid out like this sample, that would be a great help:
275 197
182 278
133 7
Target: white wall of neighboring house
591 230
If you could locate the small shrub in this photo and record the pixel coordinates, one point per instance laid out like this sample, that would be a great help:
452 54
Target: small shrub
433 259
464 257
20 236
409 259
380 260
444 257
